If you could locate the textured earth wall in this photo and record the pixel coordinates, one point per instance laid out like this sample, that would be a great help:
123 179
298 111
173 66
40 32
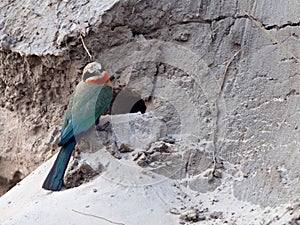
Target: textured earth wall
224 75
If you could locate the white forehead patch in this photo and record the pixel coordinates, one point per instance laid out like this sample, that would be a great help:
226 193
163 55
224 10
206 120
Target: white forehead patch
92 67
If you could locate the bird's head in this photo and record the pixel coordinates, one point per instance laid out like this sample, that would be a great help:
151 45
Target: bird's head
93 73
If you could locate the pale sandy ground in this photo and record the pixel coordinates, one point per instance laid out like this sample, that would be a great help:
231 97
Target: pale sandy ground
127 195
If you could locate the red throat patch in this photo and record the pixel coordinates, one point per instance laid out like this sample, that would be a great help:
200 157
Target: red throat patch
99 80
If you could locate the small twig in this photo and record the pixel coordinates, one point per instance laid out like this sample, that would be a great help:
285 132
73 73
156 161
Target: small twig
226 69
98 217
85 48
217 107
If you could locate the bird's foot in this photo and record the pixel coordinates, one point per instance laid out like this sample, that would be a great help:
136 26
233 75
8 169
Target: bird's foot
102 127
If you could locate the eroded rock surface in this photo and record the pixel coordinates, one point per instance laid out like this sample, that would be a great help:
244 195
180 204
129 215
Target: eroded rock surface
222 77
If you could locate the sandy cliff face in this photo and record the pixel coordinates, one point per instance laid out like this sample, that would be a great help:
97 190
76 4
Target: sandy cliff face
221 77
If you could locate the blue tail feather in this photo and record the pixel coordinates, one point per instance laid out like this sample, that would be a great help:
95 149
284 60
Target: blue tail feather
54 180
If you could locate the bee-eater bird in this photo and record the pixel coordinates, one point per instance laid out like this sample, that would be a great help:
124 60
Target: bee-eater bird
90 99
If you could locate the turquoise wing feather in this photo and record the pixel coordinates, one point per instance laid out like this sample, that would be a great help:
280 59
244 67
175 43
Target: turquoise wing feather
86 105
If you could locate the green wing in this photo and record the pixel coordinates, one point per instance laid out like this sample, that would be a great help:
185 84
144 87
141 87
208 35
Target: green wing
86 105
